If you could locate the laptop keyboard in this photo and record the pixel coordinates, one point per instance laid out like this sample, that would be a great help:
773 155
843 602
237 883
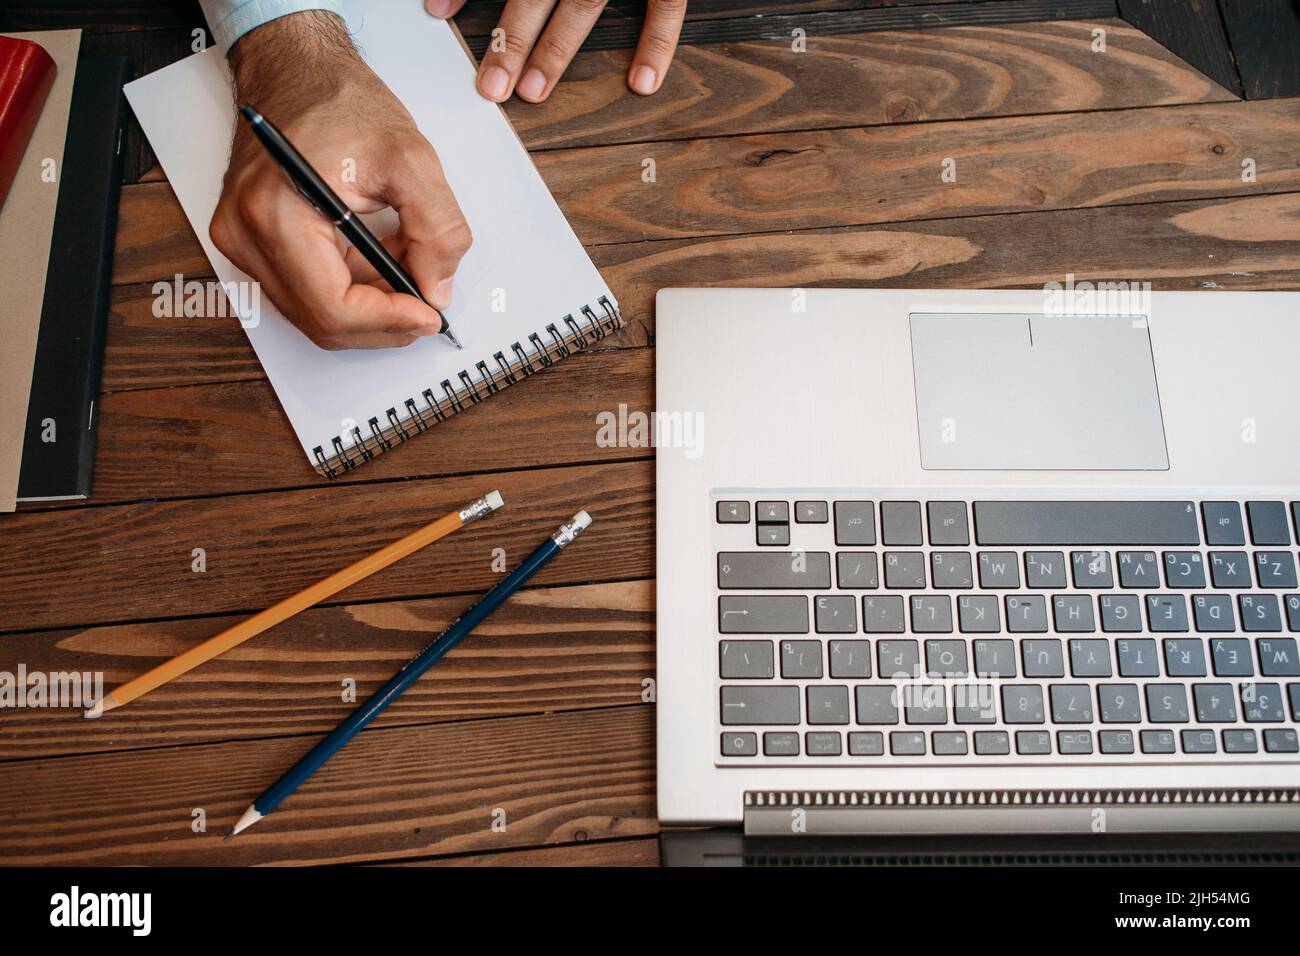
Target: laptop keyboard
855 631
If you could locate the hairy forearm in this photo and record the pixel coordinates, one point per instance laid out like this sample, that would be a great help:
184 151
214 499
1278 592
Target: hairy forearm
295 61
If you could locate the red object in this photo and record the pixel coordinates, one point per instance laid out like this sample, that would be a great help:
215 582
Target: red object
26 75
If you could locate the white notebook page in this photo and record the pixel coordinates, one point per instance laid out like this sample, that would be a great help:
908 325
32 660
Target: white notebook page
524 255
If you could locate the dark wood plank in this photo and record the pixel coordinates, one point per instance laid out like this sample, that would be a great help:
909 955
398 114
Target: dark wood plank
1192 29
1265 39
548 649
133 562
99 17
392 793
643 852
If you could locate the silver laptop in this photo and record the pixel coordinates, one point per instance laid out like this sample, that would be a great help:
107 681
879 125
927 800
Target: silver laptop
977 562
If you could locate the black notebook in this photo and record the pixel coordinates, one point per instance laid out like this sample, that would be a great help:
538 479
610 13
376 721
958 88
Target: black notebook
59 442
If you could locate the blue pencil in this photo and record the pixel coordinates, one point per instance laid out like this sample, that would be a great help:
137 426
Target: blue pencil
408 675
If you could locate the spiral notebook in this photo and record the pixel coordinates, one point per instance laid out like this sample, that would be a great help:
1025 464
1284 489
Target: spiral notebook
526 295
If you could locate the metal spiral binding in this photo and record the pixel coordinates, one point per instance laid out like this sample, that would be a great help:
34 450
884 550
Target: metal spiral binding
467 387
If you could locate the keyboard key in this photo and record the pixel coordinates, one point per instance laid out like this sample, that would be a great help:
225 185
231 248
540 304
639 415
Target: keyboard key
756 706
773 512
867 743
1116 741
1213 612
811 512
850 659
733 512
1240 742
900 522
1260 612
773 570
1074 741
1268 524
1071 704
1044 569
951 569
835 614
1230 569
876 704
1294 691
904 569
1072 613
1091 569
855 523
1042 658
1281 742
780 744
1022 704
978 614
907 743
1262 703
740 745
1199 742
801 659
1026 614
948 523
822 744
1090 658
1085 523
1119 703
828 705
1215 703
974 704
1223 523
1167 703
1184 569
948 743
763 614
857 570
1120 613
945 658
999 569
882 615
1275 569
1293 612
1232 657
1277 657
992 743
1139 569
1157 741
932 614
995 658
1137 658
747 660
772 535
1184 658
925 704
1031 742
1166 612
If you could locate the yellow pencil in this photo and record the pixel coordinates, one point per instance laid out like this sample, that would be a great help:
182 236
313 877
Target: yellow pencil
299 602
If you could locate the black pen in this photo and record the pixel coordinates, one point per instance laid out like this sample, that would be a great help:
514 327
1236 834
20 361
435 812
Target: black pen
316 191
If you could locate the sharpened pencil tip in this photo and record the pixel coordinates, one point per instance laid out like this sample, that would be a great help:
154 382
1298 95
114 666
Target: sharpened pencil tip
250 817
102 707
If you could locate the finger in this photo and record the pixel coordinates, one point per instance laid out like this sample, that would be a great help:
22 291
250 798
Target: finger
442 9
658 43
430 221
521 24
568 27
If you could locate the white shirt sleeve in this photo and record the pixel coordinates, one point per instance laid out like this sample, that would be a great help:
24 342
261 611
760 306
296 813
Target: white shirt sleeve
231 19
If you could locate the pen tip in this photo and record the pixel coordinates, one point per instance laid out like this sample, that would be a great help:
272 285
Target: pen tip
452 335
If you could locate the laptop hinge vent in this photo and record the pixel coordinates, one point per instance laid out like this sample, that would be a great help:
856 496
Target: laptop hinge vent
851 812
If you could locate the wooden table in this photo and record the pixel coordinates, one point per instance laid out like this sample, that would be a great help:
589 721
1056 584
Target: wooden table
772 167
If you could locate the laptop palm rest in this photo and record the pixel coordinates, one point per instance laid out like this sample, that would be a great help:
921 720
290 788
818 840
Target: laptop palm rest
1036 392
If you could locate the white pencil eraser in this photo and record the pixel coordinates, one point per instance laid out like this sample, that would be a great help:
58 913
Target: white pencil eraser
583 519
494 500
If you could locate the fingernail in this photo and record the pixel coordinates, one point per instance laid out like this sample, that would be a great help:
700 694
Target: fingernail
532 86
494 83
644 79
439 8
442 294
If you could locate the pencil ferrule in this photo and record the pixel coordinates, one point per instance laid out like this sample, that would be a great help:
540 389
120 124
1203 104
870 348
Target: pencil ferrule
566 532
475 509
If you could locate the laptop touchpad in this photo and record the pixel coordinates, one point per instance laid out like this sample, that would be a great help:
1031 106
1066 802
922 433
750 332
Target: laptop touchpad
1036 392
